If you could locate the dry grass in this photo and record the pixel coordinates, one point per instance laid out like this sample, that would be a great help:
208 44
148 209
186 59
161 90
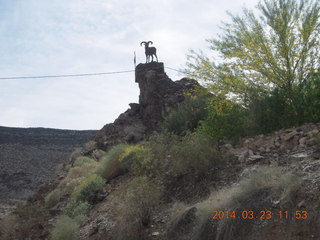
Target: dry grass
133 205
256 192
65 229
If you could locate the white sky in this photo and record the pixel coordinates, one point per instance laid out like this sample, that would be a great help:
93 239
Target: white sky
53 37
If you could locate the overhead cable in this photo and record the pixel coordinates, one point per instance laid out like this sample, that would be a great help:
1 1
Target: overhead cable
76 75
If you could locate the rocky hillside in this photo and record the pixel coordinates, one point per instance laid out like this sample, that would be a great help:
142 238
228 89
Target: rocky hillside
126 186
29 158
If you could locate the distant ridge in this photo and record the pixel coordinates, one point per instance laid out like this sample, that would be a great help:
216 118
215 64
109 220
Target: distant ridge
38 134
29 158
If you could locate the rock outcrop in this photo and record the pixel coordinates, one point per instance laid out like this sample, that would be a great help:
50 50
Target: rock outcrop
290 144
158 95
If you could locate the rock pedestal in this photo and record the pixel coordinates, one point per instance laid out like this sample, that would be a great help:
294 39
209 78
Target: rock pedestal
158 95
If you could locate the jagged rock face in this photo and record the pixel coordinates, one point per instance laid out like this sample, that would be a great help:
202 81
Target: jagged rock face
158 95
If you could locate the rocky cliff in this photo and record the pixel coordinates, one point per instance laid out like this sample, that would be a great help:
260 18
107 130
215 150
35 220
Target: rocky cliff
158 95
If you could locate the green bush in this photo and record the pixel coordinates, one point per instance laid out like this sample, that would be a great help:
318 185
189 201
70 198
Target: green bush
77 210
87 190
283 108
194 153
65 229
132 155
186 116
110 165
172 155
225 120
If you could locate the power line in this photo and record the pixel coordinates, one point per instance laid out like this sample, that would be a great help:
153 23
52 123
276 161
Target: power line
67 75
77 75
176 70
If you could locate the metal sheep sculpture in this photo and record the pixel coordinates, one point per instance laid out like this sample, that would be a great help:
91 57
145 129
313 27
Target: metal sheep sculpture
150 51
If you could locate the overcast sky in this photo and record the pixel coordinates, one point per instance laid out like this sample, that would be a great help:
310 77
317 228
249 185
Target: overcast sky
53 37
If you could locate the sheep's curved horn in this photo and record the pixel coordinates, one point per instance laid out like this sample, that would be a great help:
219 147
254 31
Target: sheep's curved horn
142 43
150 42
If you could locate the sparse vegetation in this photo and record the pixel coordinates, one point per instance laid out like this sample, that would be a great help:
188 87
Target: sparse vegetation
75 176
187 115
134 204
110 165
28 216
77 210
88 188
98 154
255 192
53 198
171 155
65 229
132 155
82 160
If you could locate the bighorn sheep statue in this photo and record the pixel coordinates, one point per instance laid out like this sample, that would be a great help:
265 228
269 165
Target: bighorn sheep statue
150 51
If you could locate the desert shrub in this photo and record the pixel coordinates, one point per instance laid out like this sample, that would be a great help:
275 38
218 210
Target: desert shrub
76 153
32 214
97 154
181 221
77 210
254 193
90 146
65 229
171 155
88 189
186 116
144 164
82 160
27 217
53 198
155 159
110 165
75 176
225 120
133 205
132 155
194 153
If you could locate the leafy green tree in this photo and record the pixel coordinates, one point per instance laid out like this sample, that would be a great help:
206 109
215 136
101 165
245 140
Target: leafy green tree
278 48
269 62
